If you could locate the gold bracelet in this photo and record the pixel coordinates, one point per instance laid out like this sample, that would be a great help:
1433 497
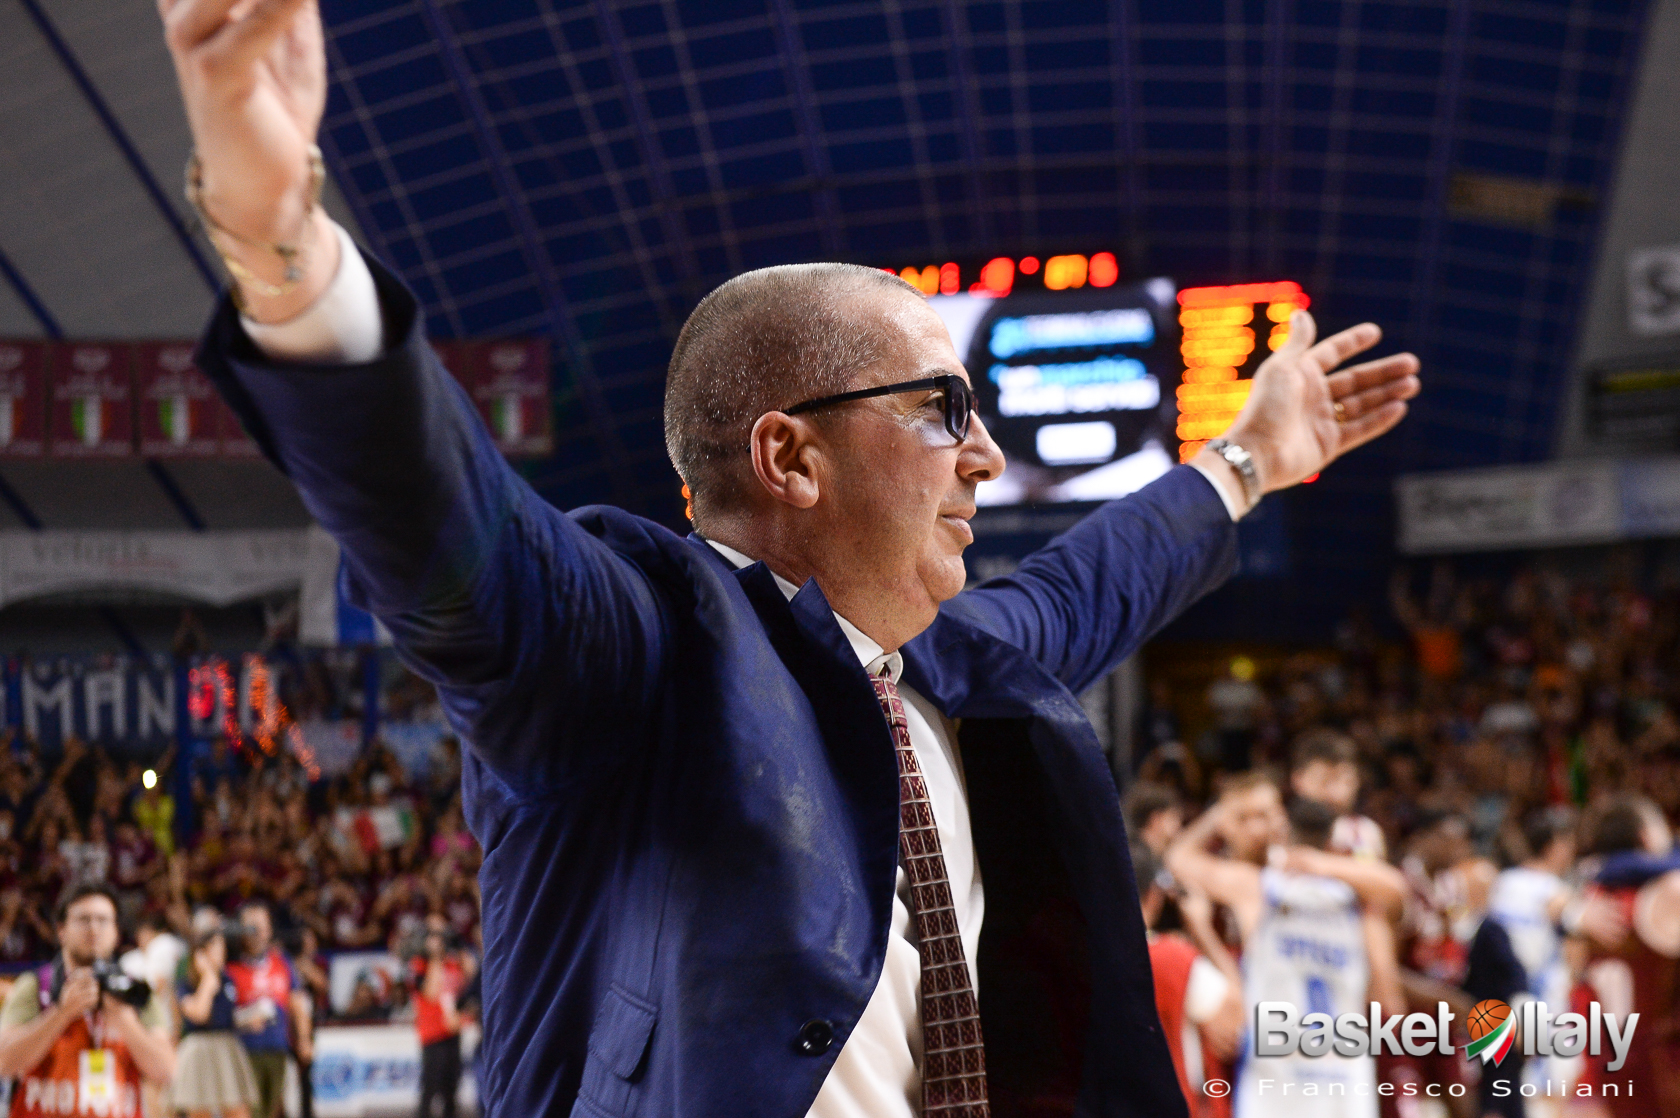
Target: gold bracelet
295 256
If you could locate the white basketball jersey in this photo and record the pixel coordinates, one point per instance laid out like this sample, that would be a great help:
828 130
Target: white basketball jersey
1308 950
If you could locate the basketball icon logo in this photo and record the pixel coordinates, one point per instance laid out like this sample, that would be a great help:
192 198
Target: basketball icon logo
1492 1031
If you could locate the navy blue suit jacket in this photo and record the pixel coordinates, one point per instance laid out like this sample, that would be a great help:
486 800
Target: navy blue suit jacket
685 791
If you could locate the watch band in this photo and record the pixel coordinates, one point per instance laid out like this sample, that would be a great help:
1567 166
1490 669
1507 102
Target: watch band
1242 462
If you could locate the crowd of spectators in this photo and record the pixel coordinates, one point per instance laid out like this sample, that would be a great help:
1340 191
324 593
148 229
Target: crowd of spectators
1506 695
368 859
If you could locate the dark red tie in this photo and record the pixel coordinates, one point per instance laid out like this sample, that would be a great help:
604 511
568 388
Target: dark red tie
953 1054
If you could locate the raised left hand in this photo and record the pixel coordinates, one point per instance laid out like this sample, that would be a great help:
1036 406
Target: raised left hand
1302 414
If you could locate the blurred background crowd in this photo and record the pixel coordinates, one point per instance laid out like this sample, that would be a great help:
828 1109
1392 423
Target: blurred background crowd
1512 749
357 861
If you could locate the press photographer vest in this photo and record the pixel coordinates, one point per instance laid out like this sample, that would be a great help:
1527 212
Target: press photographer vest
87 1072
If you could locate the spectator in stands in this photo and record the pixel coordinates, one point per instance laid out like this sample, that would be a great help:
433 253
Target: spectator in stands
214 1074
134 861
154 814
271 1002
440 973
25 935
1324 767
157 954
56 1015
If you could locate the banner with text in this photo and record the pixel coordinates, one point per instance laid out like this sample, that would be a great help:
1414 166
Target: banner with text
23 400
178 406
1556 504
116 399
92 412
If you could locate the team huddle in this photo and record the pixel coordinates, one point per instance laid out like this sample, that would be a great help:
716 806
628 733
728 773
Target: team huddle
1283 896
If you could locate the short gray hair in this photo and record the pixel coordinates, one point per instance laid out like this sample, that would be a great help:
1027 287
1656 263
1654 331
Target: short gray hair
763 341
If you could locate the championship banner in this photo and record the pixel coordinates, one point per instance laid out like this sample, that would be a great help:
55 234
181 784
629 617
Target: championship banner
179 411
510 384
92 412
23 399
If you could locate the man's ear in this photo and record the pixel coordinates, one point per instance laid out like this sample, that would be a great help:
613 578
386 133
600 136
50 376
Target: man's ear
782 457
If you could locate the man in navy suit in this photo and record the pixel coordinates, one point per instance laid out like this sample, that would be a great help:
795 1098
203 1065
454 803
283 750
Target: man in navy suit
736 790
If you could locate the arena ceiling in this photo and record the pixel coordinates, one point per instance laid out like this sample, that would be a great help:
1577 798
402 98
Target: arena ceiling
588 171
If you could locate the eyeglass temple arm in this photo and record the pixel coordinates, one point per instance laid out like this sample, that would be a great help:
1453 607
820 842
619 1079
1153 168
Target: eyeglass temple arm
866 393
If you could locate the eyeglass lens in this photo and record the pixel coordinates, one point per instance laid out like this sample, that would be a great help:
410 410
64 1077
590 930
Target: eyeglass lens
959 406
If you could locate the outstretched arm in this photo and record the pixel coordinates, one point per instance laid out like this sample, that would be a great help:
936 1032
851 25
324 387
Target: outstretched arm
1230 882
545 644
1380 886
1092 596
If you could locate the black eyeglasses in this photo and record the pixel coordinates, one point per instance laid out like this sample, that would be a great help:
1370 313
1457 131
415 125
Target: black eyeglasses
956 400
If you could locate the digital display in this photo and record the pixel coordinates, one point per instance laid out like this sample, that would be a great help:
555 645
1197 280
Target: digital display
1221 351
1076 385
1094 388
998 276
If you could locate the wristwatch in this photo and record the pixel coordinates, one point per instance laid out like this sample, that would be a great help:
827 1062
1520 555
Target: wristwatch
1242 462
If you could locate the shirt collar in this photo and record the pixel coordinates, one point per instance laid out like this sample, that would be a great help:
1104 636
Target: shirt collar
869 654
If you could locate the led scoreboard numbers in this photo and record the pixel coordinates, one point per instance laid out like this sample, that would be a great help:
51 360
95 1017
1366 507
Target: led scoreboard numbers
1090 385
1003 275
1221 350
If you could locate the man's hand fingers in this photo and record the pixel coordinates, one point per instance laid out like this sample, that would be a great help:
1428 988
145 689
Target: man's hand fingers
1356 405
246 40
1335 349
1371 374
188 23
1379 421
1302 332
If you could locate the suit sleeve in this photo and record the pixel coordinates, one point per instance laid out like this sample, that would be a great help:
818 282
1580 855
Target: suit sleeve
545 645
1089 598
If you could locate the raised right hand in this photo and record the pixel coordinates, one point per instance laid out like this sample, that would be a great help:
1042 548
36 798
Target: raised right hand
253 77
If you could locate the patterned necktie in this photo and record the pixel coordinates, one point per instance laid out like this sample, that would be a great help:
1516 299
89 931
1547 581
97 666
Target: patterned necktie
953 1054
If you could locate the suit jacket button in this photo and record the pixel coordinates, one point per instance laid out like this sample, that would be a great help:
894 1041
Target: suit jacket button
816 1037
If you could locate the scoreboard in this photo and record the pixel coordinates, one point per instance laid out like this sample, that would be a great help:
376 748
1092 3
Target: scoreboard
1093 387
1222 346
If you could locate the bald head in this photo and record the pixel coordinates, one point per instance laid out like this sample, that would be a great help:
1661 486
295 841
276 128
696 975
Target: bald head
764 341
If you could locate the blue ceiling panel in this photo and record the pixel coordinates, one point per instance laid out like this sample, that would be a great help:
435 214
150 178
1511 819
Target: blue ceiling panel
589 171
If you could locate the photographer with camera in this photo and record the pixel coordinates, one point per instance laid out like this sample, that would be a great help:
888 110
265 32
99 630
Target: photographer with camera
213 1074
273 1009
440 975
78 1034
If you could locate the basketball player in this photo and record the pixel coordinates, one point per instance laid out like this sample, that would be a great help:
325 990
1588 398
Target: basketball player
1154 816
1324 766
1315 934
1528 900
1443 874
1639 883
1249 819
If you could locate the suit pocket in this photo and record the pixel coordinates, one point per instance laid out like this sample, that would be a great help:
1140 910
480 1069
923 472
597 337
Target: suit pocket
618 1052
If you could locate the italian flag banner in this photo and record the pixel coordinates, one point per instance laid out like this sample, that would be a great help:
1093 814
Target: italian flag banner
87 419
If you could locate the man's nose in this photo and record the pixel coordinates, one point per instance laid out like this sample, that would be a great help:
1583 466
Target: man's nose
981 460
